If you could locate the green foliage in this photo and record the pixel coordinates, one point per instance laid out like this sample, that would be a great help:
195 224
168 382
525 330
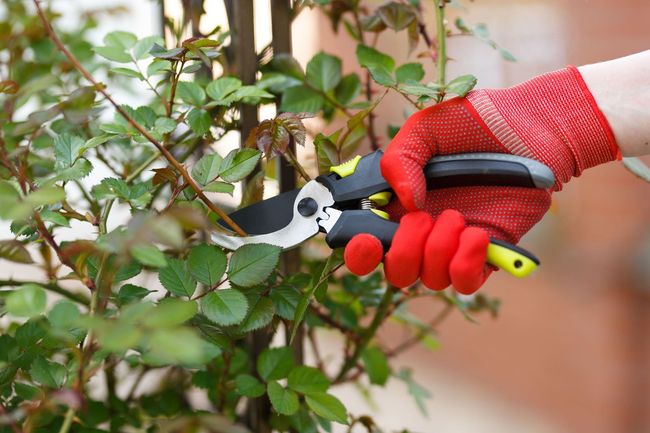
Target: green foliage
143 290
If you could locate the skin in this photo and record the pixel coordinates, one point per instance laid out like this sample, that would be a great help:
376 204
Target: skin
622 90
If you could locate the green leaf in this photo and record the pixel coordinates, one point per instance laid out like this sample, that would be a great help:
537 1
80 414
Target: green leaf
207 168
380 65
199 120
328 407
222 87
64 315
284 400
253 263
396 16
286 299
218 186
14 251
275 363
324 71
376 365
164 125
28 300
299 99
309 292
67 148
429 90
127 73
307 380
177 278
170 312
409 72
179 346
225 307
238 164
130 293
348 89
190 93
142 48
461 85
124 40
148 255
260 314
207 263
245 92
115 54
248 386
50 374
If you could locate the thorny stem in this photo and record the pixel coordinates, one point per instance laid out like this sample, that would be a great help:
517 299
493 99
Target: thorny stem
291 159
441 35
67 421
165 153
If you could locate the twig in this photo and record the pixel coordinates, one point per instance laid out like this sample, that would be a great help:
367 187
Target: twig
102 89
51 287
441 55
67 421
327 318
291 159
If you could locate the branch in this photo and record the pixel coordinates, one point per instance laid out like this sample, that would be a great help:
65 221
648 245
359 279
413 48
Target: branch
51 287
441 35
102 89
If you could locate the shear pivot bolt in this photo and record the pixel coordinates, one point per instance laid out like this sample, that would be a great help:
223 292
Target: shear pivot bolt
307 206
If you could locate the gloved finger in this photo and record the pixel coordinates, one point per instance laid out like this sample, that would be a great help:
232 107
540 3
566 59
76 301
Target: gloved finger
363 254
403 260
467 269
440 248
405 156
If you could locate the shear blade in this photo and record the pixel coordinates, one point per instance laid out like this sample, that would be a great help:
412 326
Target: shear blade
272 213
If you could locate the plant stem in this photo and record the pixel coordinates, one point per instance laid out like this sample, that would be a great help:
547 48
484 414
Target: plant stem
146 134
51 287
67 421
441 35
369 332
291 159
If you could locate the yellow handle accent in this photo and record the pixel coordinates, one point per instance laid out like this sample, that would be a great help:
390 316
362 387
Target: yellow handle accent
512 262
380 214
347 168
380 198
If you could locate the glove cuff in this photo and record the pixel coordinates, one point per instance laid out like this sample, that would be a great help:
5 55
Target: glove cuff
553 118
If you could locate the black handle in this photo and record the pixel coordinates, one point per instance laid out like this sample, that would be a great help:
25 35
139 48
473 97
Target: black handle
491 169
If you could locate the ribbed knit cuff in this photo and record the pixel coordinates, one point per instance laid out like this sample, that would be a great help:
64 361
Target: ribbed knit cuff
553 118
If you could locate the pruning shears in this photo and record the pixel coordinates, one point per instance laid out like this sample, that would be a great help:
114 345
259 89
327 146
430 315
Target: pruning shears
345 202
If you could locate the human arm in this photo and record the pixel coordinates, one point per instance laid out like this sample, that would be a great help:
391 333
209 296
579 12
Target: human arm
553 118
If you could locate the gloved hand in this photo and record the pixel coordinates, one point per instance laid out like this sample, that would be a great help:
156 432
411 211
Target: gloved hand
443 234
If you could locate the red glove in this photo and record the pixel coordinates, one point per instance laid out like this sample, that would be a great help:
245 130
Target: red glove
443 234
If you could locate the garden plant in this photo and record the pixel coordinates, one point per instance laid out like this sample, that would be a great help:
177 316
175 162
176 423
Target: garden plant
121 314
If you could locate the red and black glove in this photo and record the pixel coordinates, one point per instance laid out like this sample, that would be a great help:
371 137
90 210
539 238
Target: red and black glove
443 234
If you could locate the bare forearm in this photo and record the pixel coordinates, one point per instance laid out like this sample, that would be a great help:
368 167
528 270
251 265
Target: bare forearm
621 88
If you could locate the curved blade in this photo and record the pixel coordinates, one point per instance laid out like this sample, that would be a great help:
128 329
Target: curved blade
265 216
298 230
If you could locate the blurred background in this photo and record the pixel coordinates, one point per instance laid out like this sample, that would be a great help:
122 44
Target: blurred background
570 350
